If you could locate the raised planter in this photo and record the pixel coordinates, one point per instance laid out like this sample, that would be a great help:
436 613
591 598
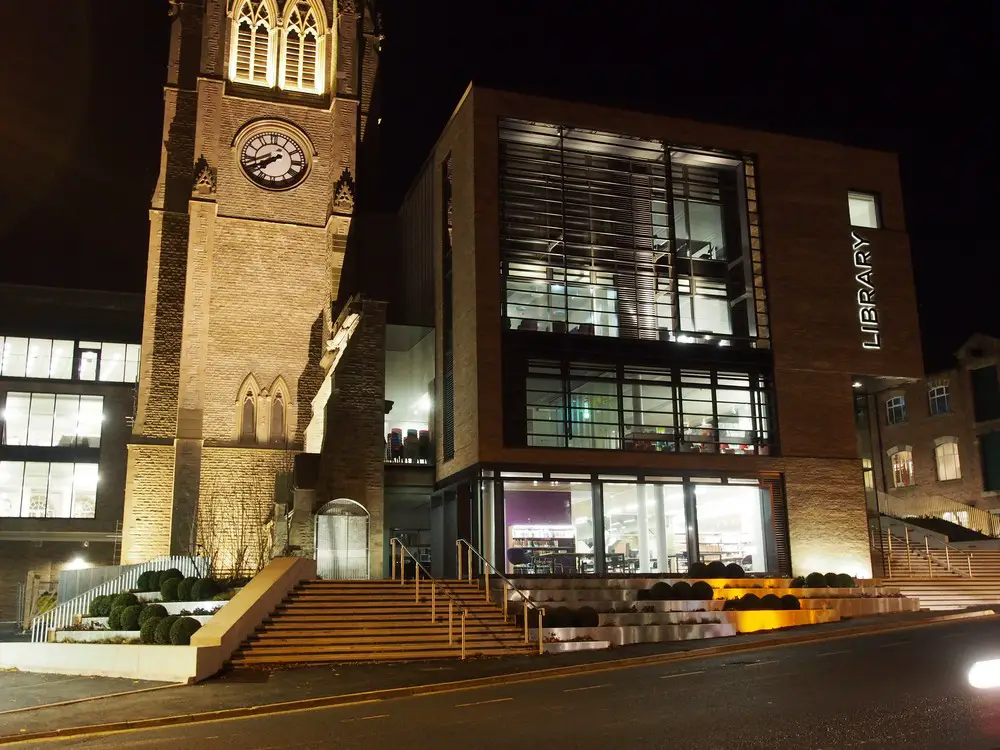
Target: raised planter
561 647
645 582
659 618
808 593
628 635
136 661
751 621
860 607
102 622
94 636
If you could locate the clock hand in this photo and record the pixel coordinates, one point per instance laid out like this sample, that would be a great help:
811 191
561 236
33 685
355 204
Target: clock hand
264 161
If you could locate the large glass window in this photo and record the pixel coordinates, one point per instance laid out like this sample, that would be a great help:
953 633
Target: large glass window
863 208
946 459
409 383
644 528
594 406
48 419
48 490
731 525
938 398
47 359
607 235
549 527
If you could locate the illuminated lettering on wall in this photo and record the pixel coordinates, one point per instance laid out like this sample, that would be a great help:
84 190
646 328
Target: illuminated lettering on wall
871 336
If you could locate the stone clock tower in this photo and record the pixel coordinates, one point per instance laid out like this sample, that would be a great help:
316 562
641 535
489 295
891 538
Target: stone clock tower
266 102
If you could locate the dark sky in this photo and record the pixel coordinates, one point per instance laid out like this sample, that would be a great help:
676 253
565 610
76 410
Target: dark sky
80 126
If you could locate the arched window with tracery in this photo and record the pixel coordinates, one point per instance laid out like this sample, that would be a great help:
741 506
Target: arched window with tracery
251 59
302 48
248 419
278 418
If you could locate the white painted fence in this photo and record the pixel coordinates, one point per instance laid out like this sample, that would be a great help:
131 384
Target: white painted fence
65 614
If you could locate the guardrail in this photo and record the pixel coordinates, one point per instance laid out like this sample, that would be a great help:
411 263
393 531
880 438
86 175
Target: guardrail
933 506
948 549
508 585
404 552
65 614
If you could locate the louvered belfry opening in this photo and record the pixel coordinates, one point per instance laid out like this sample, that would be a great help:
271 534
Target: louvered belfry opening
609 235
253 41
301 48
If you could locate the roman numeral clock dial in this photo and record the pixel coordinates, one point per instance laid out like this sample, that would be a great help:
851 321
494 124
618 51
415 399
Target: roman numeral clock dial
273 160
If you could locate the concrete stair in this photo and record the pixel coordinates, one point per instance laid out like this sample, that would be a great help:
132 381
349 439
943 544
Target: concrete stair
338 621
939 587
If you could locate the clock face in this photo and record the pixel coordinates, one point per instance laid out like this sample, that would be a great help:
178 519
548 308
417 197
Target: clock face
273 160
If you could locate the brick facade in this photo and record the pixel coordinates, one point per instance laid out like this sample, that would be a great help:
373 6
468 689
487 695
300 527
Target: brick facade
240 279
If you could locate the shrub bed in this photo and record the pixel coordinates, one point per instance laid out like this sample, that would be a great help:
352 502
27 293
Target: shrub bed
130 617
168 589
100 606
162 635
184 589
824 580
182 630
768 602
153 610
147 633
662 591
204 589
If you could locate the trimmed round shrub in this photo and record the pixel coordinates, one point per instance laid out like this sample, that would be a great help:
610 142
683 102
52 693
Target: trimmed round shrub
100 606
845 581
147 633
731 604
816 581
115 618
716 569
749 601
169 573
587 617
642 595
168 589
184 589
153 610
682 591
162 633
797 583
559 617
735 570
661 591
698 570
702 591
204 589
788 601
770 601
182 630
831 579
130 617
124 599
145 582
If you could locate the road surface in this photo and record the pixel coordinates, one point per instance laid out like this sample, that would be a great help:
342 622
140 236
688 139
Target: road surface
904 689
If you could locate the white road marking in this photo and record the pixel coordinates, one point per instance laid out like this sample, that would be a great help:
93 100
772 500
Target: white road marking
834 653
894 643
366 718
760 663
681 674
589 687
482 703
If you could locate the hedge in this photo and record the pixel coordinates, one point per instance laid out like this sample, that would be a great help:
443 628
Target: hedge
162 636
182 630
130 617
168 589
153 610
184 589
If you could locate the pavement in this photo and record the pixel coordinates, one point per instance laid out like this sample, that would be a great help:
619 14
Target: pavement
110 702
896 689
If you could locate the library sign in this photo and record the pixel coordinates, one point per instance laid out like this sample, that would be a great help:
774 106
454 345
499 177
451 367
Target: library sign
871 335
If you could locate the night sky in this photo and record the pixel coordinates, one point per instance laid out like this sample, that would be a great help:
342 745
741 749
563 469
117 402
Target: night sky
81 113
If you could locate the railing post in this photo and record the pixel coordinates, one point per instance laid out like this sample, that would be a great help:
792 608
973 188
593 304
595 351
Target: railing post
416 595
451 611
927 550
525 602
433 600
505 601
541 634
470 562
464 613
970 565
947 556
402 565
909 562
392 556
486 572
458 552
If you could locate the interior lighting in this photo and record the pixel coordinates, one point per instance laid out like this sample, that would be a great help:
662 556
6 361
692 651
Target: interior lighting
77 563
856 384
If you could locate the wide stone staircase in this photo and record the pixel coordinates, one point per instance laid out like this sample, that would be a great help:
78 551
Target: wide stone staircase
938 574
339 621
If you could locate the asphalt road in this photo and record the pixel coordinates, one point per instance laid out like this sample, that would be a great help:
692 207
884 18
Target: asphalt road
905 689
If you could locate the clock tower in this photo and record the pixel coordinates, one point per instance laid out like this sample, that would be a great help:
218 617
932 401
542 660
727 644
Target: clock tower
265 105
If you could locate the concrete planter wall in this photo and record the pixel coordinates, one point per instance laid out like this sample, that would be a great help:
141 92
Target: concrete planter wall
659 618
94 636
628 635
562 648
765 619
602 584
858 607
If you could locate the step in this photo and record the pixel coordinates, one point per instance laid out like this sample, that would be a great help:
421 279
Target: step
375 650
406 638
361 631
389 656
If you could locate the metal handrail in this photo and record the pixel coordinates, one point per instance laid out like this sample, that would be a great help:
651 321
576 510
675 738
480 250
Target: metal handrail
452 601
507 584
927 552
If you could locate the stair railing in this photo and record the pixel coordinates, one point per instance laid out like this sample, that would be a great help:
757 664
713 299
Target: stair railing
948 549
935 506
399 568
508 586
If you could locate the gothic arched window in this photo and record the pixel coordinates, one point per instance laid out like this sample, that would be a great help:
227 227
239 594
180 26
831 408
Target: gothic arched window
248 419
250 59
277 418
302 49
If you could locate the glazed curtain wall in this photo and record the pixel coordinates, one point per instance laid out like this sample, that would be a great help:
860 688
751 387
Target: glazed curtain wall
572 527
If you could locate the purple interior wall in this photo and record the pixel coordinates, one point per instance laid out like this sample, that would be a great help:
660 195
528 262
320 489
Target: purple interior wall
533 507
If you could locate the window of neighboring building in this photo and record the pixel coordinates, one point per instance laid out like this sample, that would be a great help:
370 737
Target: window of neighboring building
863 208
636 408
49 419
985 393
33 489
48 359
989 446
868 473
938 398
895 410
902 468
946 458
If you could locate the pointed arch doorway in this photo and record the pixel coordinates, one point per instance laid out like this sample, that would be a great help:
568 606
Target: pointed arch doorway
342 527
